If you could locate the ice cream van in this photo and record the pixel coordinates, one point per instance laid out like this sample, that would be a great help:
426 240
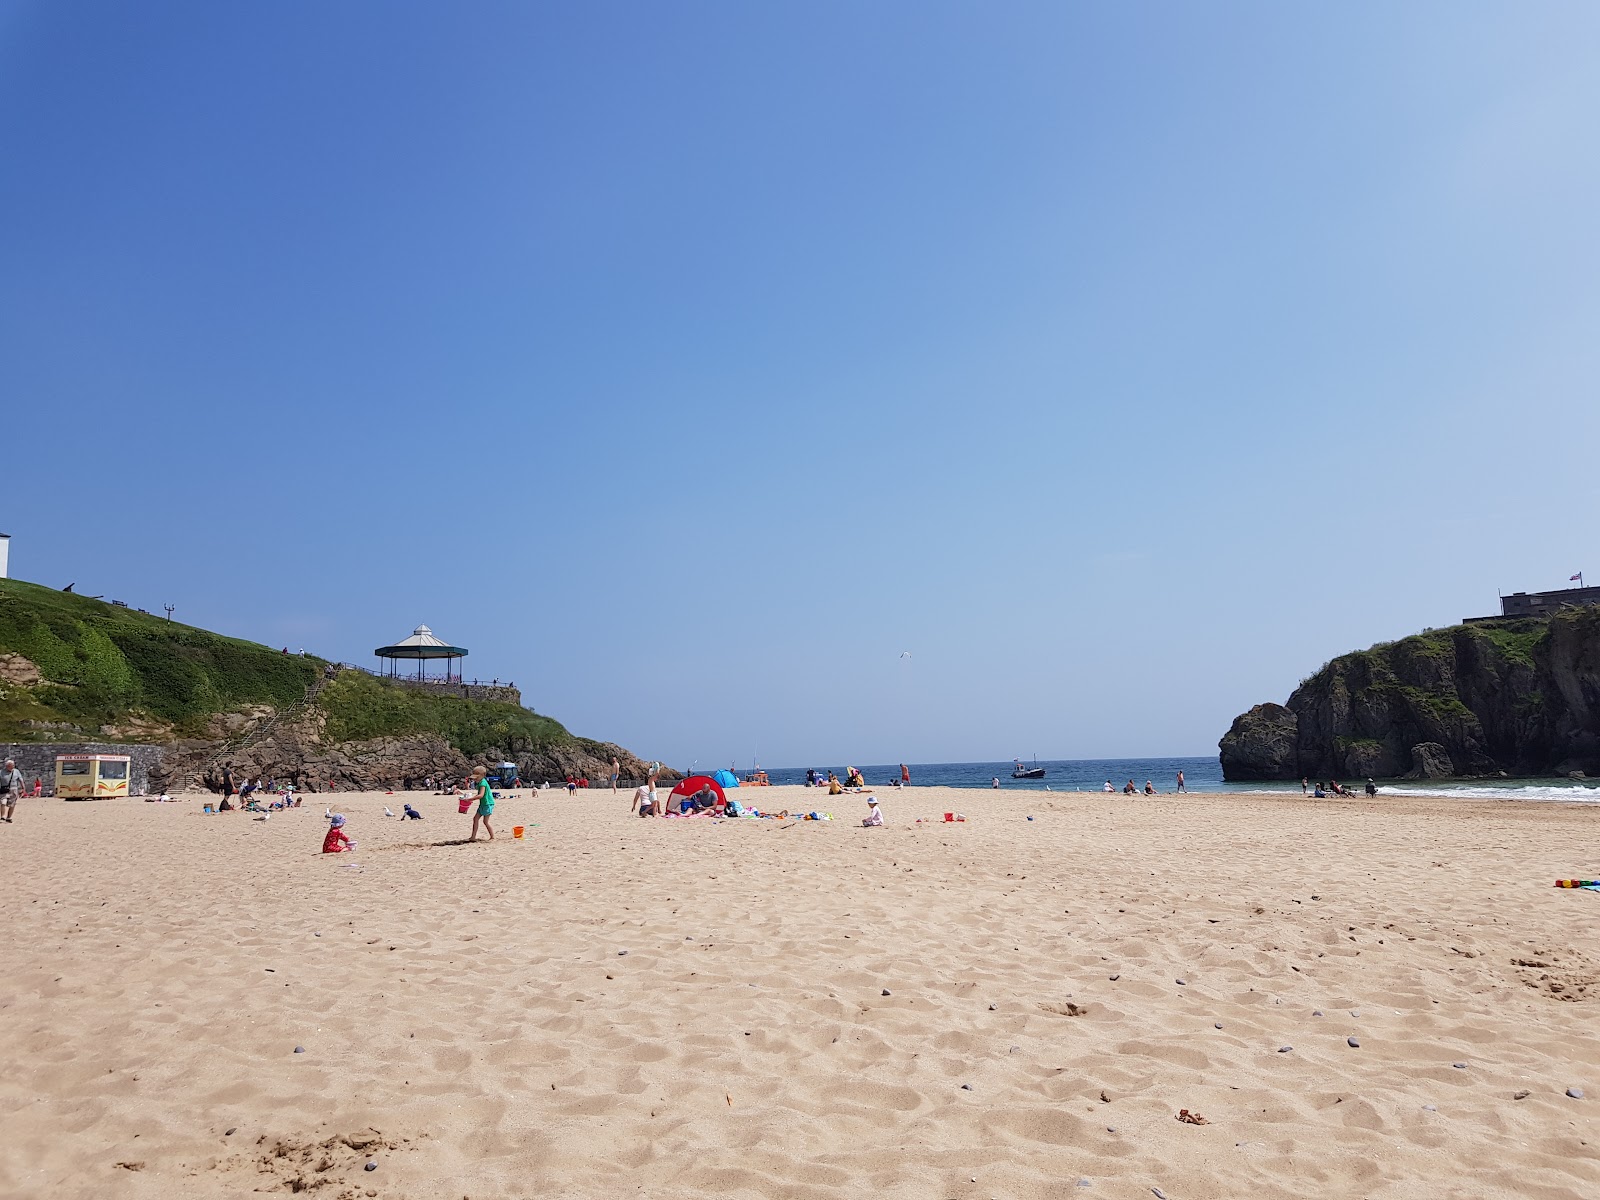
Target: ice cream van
92 776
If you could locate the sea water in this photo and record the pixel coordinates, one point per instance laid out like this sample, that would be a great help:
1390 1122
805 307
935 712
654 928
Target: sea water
1199 775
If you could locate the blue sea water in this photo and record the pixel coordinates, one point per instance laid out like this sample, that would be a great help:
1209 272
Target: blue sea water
1200 775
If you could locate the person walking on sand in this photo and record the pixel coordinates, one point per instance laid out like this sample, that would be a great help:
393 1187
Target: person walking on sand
485 810
10 791
616 773
1181 787
905 774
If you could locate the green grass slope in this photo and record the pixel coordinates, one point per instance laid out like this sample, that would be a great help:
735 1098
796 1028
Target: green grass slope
105 666
360 707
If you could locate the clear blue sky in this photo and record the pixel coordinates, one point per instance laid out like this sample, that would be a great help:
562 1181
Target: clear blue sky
689 362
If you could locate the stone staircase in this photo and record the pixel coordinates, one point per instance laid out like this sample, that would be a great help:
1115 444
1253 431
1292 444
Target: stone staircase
257 733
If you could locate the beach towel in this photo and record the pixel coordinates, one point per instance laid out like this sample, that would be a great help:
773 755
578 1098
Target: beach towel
1592 885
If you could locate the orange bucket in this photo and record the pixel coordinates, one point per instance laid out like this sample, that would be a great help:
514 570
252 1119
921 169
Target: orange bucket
516 831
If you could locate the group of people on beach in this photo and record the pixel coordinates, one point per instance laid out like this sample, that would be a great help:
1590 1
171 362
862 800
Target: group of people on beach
1131 789
1334 788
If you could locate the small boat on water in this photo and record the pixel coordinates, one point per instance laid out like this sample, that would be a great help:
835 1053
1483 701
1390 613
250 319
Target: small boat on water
757 778
1021 772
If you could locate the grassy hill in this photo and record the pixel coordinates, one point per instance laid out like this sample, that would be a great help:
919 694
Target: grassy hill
96 671
360 706
95 666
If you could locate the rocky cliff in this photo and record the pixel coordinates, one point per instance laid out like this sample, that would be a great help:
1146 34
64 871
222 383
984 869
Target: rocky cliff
1502 697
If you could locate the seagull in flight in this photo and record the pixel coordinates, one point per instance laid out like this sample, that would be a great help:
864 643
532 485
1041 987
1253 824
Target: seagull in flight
905 654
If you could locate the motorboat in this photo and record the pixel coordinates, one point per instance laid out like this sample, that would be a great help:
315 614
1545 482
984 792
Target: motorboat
1021 772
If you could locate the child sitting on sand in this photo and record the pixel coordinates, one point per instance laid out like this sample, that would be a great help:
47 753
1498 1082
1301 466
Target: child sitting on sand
337 841
874 817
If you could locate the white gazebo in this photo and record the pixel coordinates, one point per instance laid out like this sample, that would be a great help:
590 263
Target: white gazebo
422 646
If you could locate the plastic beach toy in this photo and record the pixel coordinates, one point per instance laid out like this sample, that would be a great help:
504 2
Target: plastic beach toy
516 831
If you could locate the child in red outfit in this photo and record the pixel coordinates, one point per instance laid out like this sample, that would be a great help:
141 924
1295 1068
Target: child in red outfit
337 842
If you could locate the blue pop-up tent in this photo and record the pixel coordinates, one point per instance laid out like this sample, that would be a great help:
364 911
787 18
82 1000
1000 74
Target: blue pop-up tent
726 778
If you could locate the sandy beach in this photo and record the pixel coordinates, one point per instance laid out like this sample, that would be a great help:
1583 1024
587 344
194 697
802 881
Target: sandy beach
1006 1007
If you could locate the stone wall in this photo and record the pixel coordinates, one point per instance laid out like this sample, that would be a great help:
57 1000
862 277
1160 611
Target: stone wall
37 760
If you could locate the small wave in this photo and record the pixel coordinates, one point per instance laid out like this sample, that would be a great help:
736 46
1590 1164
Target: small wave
1571 793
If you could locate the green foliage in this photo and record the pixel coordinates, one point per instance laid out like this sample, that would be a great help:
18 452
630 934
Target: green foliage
1518 640
104 664
359 707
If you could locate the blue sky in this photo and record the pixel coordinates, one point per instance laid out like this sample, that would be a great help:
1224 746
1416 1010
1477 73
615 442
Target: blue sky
689 363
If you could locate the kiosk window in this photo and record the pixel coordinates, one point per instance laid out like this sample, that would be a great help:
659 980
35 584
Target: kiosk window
74 768
113 770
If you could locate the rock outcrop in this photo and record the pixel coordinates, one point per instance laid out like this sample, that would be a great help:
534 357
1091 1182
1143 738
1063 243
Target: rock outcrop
300 755
1505 697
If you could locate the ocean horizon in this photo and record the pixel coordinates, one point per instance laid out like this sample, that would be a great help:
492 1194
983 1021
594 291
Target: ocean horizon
1201 774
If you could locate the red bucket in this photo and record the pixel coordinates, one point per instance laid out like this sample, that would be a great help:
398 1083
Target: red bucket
949 816
465 804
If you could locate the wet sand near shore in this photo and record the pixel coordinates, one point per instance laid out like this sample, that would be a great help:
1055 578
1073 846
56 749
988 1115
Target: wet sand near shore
611 1006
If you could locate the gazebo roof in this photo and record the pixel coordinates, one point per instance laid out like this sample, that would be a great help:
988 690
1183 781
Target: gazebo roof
421 644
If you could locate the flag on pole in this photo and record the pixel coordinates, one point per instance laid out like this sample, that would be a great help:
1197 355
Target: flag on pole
1579 575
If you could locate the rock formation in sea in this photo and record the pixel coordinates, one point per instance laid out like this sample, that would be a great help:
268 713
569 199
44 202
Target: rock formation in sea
1515 697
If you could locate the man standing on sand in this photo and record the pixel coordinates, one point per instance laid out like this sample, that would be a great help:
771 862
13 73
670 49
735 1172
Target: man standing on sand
905 774
616 773
10 790
1181 788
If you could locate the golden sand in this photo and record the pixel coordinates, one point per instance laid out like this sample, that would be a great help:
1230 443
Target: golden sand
621 1007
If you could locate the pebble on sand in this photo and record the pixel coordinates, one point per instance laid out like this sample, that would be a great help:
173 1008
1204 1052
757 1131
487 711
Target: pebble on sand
1181 982
372 1165
1459 1066
1284 1049
1352 1043
1316 1012
1218 1025
1114 978
1430 1108
620 953
1521 1094
1575 1093
966 1087
1082 1182
886 992
299 1049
